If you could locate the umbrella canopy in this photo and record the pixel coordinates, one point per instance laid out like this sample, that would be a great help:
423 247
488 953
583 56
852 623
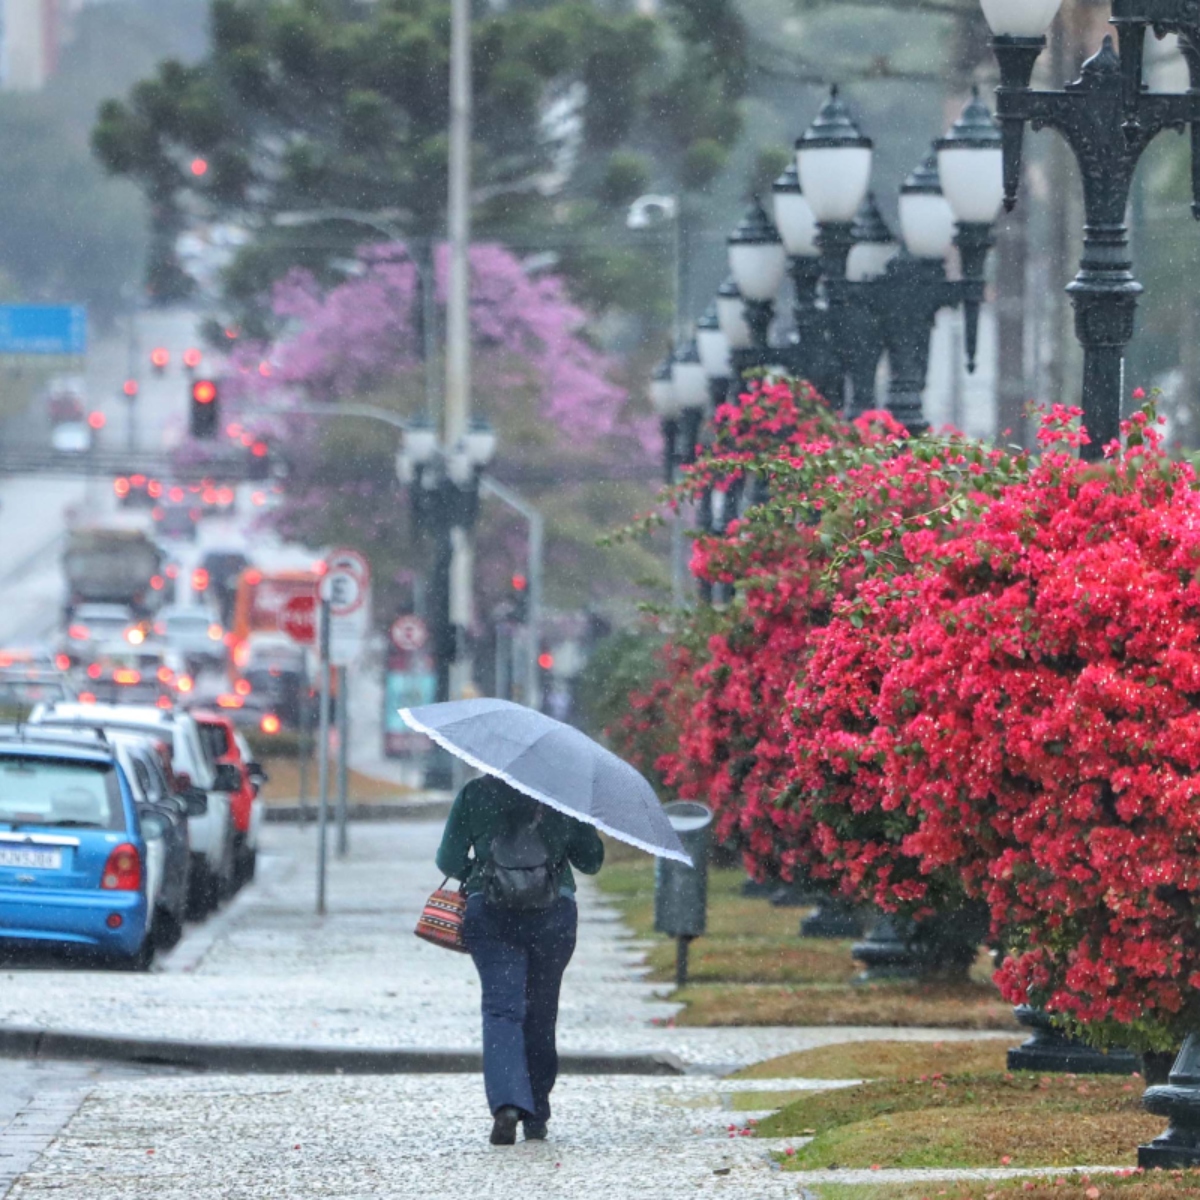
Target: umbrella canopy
553 763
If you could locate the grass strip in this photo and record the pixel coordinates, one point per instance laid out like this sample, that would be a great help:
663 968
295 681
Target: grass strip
1070 1185
885 1060
1003 1119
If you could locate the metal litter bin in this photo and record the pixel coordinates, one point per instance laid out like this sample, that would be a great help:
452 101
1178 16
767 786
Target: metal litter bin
681 892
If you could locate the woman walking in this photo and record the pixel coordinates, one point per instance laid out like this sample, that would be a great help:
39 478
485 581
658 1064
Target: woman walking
514 856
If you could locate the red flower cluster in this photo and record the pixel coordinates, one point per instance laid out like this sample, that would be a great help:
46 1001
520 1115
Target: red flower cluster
949 673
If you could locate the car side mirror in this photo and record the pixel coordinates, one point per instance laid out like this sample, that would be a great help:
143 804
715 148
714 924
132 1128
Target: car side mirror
153 823
257 774
228 779
196 801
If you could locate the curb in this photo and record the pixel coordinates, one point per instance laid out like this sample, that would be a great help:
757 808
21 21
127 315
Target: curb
234 1058
296 814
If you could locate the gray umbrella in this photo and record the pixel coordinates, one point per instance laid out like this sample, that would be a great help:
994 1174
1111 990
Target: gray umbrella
554 763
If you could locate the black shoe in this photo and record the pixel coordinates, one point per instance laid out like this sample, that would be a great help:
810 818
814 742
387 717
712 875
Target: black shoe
504 1127
535 1131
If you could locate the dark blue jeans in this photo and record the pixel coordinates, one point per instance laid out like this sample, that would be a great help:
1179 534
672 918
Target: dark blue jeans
520 958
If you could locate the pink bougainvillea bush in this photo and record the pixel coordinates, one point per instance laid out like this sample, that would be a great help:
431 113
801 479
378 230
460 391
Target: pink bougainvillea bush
1041 727
955 674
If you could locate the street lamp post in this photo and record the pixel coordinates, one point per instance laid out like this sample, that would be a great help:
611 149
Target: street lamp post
444 486
1108 120
833 162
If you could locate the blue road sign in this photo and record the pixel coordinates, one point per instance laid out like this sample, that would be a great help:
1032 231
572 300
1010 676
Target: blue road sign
43 329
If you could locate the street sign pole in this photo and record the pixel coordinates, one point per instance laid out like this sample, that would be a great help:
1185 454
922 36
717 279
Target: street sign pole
343 728
323 759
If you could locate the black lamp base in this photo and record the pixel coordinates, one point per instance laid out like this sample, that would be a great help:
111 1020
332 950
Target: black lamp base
1051 1050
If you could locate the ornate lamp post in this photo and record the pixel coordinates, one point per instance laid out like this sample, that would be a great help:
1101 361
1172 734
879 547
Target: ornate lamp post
757 261
689 383
809 355
833 162
863 340
444 490
1108 120
715 355
662 400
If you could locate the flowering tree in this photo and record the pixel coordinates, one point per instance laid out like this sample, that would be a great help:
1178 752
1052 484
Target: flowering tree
537 377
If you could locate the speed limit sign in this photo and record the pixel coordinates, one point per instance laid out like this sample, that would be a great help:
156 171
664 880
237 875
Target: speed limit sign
344 591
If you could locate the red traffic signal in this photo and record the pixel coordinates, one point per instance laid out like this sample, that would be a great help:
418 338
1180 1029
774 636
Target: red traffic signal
130 388
160 356
546 660
519 583
205 417
191 358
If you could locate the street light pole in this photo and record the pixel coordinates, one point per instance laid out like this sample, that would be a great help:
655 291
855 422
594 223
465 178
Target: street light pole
1108 120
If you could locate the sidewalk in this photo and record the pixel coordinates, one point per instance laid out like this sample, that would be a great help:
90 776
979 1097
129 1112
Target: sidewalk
268 970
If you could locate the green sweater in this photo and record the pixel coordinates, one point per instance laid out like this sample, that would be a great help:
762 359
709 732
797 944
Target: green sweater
479 813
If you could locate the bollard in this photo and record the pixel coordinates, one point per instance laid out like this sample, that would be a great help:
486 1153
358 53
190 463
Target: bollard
681 892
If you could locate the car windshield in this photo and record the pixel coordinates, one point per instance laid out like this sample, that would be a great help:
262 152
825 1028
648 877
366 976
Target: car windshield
49 791
188 623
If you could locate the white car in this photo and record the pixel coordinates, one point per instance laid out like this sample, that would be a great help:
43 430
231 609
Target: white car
192 633
71 437
214 868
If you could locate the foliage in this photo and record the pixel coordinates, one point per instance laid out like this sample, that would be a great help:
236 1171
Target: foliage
336 104
990 673
538 379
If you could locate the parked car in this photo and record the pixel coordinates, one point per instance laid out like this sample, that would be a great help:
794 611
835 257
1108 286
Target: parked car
227 745
92 624
192 633
74 850
118 673
213 873
176 520
140 758
72 437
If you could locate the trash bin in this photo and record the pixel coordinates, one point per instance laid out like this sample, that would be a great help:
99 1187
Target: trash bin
681 892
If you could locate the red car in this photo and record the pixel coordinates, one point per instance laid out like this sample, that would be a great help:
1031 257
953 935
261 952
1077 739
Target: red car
226 745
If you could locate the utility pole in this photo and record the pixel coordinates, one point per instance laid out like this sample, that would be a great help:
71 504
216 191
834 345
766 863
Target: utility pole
458 322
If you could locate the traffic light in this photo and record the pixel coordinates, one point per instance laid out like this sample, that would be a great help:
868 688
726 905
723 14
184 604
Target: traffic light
160 356
205 412
260 462
519 599
191 358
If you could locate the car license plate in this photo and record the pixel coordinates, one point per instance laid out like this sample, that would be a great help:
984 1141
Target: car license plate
38 860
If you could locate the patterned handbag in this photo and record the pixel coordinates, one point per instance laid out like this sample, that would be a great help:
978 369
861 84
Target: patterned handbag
442 918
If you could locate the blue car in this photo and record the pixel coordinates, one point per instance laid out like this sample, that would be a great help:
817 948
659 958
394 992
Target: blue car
73 852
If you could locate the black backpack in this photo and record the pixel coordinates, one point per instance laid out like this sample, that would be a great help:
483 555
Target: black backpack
518 874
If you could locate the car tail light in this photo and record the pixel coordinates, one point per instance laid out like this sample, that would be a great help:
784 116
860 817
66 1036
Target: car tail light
154 488
79 633
184 683
225 700
126 675
121 487
215 633
62 661
176 495
123 871
269 723
258 499
199 580
87 697
157 513
93 671
157 583
172 571
241 655
242 687
160 628
138 480
165 702
225 495
165 674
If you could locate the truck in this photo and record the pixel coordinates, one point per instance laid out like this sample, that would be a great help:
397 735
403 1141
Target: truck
104 565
